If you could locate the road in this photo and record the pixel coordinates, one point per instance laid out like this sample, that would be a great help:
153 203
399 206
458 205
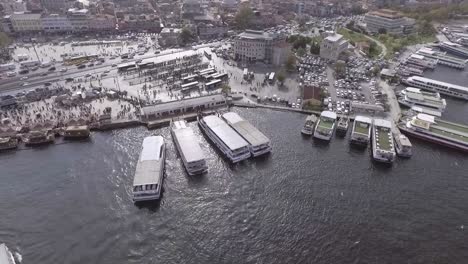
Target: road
384 51
36 79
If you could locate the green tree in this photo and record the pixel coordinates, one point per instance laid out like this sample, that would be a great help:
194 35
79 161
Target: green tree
186 36
340 68
291 62
4 40
301 52
225 88
382 31
281 76
315 48
244 18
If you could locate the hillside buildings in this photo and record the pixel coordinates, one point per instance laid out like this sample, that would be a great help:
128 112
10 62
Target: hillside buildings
253 45
332 46
388 21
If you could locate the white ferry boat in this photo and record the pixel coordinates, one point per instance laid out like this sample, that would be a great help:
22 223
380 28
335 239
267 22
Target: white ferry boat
6 257
342 126
437 86
325 125
421 61
149 173
259 144
361 133
416 97
188 147
231 144
442 58
403 146
454 48
383 149
435 130
7 143
35 138
309 125
76 132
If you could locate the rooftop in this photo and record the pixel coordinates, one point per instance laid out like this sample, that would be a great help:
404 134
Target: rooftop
245 129
188 142
255 34
191 102
224 132
387 13
149 164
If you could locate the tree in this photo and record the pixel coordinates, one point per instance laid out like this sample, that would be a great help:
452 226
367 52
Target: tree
340 68
186 36
244 18
382 31
291 62
315 48
225 88
301 52
281 77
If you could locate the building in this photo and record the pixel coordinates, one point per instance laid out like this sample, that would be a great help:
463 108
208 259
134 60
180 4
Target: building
56 23
10 7
55 5
25 22
79 19
252 45
209 31
7 26
388 21
150 23
332 46
102 22
169 36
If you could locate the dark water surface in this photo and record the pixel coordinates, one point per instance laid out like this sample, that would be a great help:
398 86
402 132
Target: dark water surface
305 203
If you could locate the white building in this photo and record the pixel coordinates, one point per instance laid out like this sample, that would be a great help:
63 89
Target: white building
332 46
389 21
56 23
252 45
79 19
25 22
169 36
13 6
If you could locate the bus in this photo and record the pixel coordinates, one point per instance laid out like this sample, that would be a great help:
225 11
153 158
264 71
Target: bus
206 71
216 83
189 79
246 73
271 78
189 86
7 67
221 76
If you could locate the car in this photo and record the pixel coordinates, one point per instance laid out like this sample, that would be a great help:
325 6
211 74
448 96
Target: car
103 74
70 79
47 84
81 66
24 78
63 70
51 69
114 65
44 74
88 75
24 84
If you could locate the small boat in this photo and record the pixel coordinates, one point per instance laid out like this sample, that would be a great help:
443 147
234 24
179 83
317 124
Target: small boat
8 143
309 125
76 132
6 257
403 146
325 125
34 138
342 127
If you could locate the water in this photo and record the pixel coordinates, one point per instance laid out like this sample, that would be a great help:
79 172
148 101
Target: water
305 203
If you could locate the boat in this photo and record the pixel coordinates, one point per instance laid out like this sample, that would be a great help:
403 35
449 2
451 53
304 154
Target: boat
149 172
383 149
259 144
325 125
342 126
7 143
34 138
416 97
189 149
231 144
403 145
437 86
442 58
422 61
309 125
436 130
361 133
76 132
454 48
6 257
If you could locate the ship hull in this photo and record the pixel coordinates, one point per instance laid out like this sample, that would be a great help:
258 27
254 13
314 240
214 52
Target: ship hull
430 138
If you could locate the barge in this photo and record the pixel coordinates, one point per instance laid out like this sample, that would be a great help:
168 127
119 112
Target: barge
383 149
361 133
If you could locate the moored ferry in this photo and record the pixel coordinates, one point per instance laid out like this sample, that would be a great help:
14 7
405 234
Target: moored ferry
383 149
417 97
325 125
6 257
149 172
8 143
403 146
76 132
437 86
259 144
34 138
436 130
309 125
342 127
189 149
231 144
361 133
